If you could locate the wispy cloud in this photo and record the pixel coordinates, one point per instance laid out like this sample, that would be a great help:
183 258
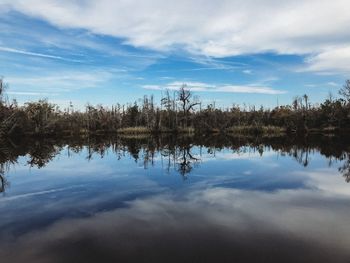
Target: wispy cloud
333 84
247 71
225 29
25 93
28 53
63 81
327 84
205 87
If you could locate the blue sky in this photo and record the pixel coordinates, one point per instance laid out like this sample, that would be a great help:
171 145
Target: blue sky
252 52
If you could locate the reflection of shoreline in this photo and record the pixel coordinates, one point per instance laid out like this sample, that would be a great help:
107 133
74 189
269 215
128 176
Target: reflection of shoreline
176 150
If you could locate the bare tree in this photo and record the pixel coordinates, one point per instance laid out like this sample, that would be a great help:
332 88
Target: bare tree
306 99
185 98
345 90
2 89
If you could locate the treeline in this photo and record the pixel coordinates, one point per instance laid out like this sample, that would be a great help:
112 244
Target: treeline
177 112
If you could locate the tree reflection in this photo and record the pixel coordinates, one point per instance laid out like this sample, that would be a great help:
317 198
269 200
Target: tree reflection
42 154
186 161
176 152
8 155
3 182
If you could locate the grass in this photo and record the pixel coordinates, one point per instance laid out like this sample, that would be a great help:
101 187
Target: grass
188 130
145 130
330 129
263 130
135 130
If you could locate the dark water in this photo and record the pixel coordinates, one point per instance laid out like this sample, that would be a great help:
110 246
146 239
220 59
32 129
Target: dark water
208 199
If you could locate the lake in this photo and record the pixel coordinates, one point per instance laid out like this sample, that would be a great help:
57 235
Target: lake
175 199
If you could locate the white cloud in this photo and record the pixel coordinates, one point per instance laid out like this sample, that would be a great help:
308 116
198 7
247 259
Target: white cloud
205 87
330 61
211 28
218 29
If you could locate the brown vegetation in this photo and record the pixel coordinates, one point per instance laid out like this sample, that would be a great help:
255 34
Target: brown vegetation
179 112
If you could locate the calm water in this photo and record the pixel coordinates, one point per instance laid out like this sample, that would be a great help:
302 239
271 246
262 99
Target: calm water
175 200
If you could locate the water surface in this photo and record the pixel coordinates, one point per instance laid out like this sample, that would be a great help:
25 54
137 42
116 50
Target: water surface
209 199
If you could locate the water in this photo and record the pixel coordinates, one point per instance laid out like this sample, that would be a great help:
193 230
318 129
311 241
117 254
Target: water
207 199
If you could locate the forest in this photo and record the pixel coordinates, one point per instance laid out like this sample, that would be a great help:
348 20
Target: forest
177 112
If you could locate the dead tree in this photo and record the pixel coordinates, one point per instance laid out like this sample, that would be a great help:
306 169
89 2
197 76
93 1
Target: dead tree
186 103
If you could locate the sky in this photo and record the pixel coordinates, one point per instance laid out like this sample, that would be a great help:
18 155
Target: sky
252 52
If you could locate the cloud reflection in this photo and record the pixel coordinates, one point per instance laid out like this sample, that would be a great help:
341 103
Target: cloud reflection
304 225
